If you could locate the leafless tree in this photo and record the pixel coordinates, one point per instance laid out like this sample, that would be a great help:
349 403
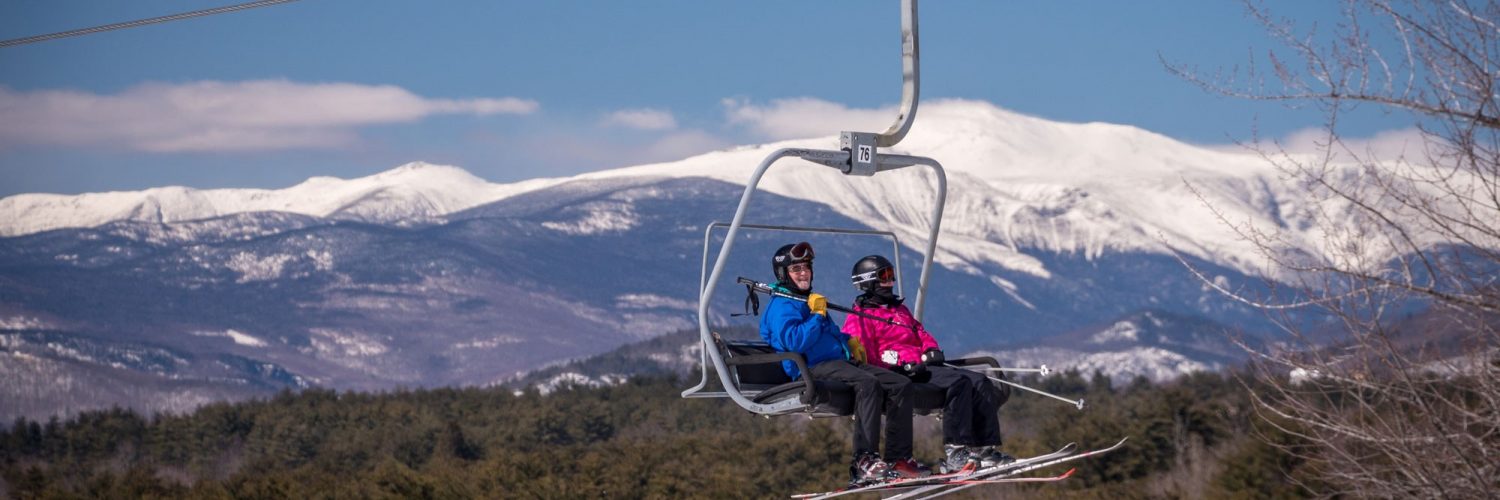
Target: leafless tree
1397 394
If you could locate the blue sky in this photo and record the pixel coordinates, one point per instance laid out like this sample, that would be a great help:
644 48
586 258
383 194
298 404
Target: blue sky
513 90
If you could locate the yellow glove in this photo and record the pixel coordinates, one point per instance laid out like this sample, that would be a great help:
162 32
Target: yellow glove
818 303
856 351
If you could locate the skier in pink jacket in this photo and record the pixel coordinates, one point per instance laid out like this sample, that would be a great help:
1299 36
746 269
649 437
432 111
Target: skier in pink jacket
971 421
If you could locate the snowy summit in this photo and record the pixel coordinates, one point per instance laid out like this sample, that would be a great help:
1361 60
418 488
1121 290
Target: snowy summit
413 192
1015 182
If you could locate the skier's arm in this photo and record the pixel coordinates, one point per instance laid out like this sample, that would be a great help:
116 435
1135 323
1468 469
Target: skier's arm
925 338
927 341
854 327
795 333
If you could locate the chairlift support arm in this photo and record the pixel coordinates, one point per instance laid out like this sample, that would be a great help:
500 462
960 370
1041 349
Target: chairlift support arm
864 146
911 77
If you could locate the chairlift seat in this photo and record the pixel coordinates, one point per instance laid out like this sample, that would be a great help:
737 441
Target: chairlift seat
758 373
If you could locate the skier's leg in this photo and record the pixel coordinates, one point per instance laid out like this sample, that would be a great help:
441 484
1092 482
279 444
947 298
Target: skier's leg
898 411
867 401
987 401
958 406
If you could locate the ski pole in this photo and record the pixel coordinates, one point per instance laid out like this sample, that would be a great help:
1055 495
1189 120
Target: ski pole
1043 371
1078 403
775 292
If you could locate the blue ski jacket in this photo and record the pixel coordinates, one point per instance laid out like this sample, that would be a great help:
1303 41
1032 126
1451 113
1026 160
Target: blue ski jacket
789 326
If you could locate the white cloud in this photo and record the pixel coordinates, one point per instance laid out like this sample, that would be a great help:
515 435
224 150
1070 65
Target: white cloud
223 116
679 145
805 117
644 119
581 153
1387 145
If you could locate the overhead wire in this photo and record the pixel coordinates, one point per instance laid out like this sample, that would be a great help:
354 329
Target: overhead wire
141 22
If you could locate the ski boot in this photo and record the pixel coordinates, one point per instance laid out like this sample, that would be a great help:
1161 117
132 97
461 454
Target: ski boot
908 468
990 456
868 469
955 458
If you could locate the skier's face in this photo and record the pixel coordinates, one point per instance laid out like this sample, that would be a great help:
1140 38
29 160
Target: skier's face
801 275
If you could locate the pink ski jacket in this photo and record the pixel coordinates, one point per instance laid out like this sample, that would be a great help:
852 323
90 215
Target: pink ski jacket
878 336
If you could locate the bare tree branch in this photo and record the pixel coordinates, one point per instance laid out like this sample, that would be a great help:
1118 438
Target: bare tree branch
1404 252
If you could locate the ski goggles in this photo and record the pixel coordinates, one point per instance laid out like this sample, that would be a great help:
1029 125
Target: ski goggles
801 251
882 275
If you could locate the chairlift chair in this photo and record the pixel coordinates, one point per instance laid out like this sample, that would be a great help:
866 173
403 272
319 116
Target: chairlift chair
750 371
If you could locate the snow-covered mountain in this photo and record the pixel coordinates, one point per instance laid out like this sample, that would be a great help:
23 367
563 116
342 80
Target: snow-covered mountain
427 275
1018 184
414 193
1154 344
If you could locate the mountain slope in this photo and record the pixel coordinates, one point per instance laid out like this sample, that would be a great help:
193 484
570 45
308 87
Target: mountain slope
1018 185
426 275
1155 344
511 286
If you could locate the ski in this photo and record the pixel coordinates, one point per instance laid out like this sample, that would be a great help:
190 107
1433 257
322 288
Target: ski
924 481
937 490
889 484
1051 479
1002 480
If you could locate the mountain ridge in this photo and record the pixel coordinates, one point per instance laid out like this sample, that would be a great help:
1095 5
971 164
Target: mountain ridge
412 193
1015 181
426 275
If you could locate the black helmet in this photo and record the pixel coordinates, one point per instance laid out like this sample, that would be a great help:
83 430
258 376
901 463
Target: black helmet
786 256
870 271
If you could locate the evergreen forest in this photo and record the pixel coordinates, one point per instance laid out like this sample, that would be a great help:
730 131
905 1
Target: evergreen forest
1195 437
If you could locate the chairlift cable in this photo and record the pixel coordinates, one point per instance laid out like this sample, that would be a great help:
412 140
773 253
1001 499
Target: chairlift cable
140 22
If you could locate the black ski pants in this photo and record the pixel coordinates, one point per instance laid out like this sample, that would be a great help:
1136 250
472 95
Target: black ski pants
971 411
874 388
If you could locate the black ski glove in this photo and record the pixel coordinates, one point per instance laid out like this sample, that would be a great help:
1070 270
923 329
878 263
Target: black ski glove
933 357
917 372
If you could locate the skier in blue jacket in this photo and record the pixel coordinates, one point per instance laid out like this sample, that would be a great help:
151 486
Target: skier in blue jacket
804 327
